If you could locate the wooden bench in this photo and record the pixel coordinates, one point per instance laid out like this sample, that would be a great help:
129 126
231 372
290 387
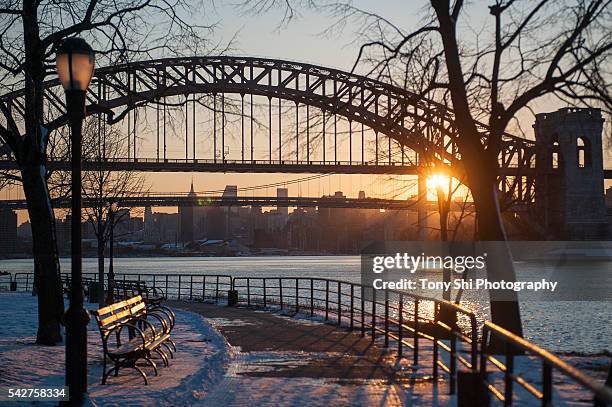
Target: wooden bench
130 288
85 283
139 333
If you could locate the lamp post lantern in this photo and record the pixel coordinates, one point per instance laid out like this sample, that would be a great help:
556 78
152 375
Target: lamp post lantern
75 66
112 210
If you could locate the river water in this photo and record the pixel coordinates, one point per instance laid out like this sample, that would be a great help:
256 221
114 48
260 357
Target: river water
560 326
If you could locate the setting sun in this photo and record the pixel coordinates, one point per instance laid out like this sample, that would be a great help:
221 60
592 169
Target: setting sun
436 181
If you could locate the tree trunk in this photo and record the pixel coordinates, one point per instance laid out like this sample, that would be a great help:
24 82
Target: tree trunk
504 308
46 262
101 297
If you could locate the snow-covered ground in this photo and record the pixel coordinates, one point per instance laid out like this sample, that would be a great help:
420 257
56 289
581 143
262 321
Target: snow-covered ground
207 371
197 366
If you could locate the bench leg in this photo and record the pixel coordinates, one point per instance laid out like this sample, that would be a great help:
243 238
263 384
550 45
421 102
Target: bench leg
142 373
153 364
172 343
170 352
163 356
107 373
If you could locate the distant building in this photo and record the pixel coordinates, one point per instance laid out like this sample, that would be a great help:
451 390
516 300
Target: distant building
8 232
187 219
283 193
149 226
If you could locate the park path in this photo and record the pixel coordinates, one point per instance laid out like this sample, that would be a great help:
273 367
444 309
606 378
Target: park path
279 360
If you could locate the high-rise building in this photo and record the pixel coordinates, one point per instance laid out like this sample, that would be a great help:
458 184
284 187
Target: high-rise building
8 232
282 193
187 219
149 231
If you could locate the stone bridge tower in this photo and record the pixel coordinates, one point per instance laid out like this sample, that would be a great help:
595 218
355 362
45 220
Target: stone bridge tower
569 174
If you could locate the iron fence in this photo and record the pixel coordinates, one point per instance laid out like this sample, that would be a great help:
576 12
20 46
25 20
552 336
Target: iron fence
404 318
514 345
399 316
175 286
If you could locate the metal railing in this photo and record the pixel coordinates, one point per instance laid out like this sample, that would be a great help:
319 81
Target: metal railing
175 286
394 315
389 315
513 345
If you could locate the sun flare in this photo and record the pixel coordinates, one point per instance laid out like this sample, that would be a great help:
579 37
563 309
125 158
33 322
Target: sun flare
436 181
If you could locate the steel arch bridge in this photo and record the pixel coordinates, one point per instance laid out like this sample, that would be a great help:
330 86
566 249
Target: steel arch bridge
407 121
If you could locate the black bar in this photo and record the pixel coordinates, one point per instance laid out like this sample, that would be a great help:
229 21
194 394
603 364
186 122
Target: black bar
546 384
339 304
386 318
415 357
326 299
311 297
400 328
373 315
352 305
280 291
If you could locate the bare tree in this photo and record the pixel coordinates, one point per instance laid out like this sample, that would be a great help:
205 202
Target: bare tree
103 187
30 32
528 51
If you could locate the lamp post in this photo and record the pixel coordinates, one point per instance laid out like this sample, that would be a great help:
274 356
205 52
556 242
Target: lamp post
75 65
112 209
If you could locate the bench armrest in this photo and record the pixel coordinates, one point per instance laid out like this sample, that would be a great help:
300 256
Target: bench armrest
166 311
165 324
117 330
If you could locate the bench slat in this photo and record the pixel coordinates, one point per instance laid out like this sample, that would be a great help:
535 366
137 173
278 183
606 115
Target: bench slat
121 304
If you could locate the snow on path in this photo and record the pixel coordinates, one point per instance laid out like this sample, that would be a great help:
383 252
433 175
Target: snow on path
197 366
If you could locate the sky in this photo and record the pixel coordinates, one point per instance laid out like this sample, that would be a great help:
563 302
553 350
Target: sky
302 40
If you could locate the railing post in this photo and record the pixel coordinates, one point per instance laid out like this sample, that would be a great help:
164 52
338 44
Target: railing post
415 345
280 291
326 299
453 363
217 291
362 311
248 291
352 305
311 297
546 384
167 293
508 378
204 288
400 328
154 286
191 287
339 304
386 318
435 341
373 314
179 287
297 295
264 292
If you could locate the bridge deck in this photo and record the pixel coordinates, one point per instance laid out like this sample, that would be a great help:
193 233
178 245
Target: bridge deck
286 361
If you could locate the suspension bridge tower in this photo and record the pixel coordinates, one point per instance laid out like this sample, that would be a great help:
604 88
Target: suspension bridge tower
569 174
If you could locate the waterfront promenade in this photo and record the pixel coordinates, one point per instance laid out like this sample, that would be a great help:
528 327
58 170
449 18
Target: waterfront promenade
280 360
